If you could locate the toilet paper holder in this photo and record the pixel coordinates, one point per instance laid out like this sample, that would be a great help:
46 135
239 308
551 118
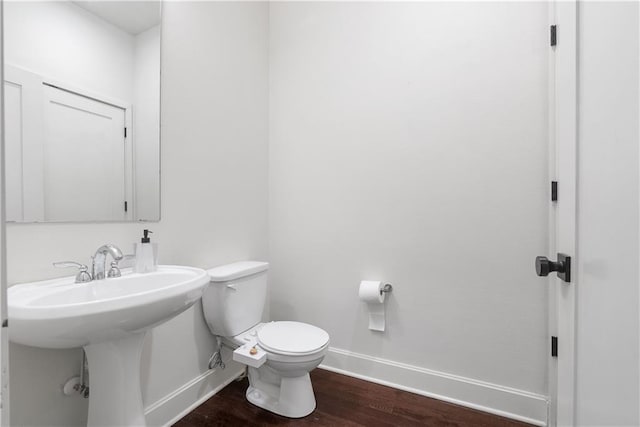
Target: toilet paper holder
386 289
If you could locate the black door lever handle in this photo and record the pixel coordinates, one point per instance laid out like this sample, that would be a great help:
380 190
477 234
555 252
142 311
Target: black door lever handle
544 266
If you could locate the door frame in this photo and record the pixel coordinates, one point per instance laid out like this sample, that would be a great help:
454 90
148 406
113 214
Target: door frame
4 333
32 197
563 139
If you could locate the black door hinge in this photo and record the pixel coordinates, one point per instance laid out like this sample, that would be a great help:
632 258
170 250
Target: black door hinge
554 346
125 206
554 191
553 36
125 132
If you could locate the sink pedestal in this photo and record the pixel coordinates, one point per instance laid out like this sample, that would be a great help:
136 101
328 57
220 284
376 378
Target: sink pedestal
112 315
115 394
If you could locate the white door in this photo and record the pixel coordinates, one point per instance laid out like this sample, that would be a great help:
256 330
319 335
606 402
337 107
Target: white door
607 391
84 138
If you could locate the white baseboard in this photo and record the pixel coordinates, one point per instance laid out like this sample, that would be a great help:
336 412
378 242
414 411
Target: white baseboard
174 406
504 401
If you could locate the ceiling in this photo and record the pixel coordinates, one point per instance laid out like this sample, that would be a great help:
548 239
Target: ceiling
133 17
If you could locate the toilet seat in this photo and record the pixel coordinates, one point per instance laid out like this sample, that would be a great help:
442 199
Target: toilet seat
289 338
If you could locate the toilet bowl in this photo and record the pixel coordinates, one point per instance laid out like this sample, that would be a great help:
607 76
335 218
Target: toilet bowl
282 385
232 307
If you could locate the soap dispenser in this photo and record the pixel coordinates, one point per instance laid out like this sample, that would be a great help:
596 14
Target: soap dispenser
146 254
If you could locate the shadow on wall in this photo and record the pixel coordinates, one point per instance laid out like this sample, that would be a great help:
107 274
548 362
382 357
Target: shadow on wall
285 310
145 362
37 373
205 343
156 342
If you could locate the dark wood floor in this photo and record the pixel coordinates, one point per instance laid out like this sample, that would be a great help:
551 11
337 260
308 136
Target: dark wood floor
342 401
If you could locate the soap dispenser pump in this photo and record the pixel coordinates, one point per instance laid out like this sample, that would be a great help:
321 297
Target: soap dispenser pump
146 254
145 236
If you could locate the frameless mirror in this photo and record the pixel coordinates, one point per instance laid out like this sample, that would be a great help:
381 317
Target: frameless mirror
82 110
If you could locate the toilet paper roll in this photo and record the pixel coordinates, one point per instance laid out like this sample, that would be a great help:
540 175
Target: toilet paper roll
370 294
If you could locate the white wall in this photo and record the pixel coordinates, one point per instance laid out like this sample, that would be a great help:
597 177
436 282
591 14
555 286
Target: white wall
408 143
146 123
214 192
64 42
607 284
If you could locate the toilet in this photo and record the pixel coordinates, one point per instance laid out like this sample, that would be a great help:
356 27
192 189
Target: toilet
279 355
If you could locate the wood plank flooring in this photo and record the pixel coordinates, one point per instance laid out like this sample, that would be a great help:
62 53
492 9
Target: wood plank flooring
343 401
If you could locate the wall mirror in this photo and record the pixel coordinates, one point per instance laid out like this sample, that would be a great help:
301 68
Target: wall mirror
82 110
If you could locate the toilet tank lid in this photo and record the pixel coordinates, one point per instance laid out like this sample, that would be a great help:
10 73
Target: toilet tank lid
227 272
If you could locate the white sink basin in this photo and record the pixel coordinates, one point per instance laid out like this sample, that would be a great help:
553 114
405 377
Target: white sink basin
62 314
109 318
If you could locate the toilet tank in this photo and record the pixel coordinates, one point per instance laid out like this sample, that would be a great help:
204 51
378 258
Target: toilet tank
234 300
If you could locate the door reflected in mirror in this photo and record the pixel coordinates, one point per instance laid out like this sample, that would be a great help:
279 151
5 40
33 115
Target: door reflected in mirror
82 110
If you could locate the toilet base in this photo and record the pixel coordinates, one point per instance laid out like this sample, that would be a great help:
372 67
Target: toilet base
293 398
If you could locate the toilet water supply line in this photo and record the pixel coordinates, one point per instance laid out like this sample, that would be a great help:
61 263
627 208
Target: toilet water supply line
216 357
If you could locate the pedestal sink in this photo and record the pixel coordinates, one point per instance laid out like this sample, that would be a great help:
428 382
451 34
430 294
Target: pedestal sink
109 318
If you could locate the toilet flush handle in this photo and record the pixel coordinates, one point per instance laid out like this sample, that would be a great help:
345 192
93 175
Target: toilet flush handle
232 287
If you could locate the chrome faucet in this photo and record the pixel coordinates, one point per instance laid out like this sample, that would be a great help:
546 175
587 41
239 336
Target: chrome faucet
100 260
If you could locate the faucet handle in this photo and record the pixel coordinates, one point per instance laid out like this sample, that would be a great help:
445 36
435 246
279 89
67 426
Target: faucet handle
83 275
64 264
114 271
